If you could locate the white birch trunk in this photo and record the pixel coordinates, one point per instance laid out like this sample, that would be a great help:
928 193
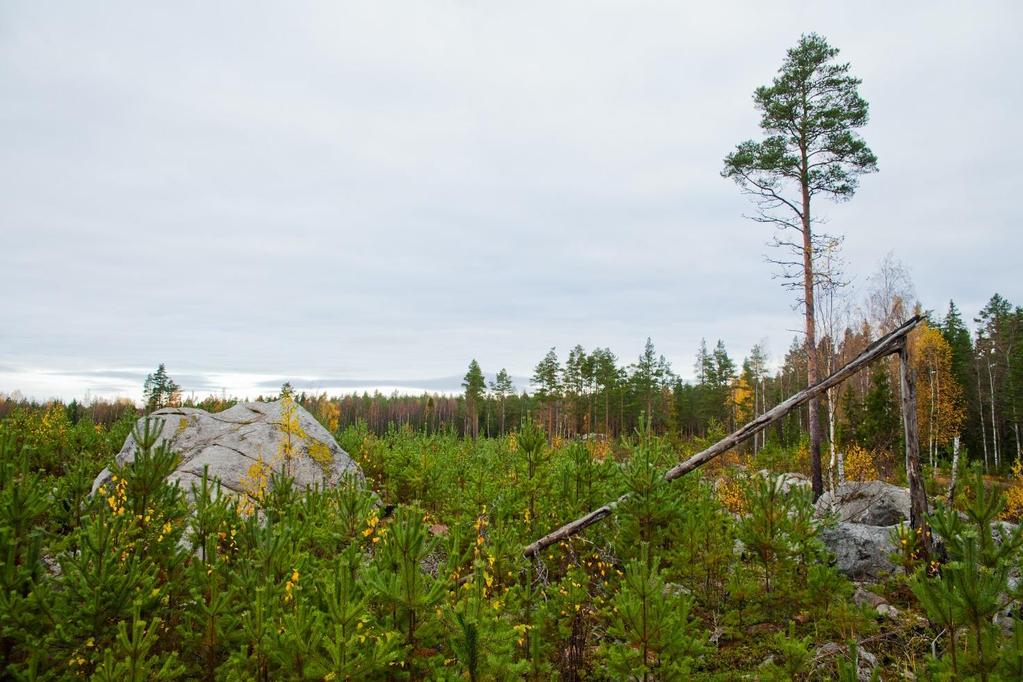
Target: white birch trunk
930 425
833 463
955 469
983 424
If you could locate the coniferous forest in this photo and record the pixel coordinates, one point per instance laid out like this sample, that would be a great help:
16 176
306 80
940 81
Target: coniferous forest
411 566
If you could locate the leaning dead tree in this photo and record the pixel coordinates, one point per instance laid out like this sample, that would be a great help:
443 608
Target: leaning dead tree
889 344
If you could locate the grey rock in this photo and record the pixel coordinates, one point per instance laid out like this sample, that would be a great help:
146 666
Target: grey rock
1006 618
874 503
787 481
887 611
52 564
676 590
867 598
861 551
241 440
824 658
828 650
1002 531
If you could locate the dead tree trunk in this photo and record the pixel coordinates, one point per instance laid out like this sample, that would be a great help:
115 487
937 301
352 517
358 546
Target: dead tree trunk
892 342
917 493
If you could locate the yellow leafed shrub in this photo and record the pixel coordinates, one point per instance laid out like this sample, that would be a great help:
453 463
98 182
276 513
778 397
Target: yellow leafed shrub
730 492
1014 494
859 464
599 449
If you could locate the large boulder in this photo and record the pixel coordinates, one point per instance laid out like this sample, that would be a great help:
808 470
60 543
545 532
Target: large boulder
244 444
874 503
861 551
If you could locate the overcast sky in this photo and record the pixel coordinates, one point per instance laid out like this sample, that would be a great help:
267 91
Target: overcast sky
372 194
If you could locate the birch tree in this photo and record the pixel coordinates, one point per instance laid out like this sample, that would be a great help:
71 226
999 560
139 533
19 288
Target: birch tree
829 285
940 412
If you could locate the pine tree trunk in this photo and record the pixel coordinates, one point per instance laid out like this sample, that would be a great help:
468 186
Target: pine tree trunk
1011 392
756 413
811 339
607 412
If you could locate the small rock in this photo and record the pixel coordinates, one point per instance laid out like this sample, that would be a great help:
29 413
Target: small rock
828 650
1006 618
787 481
868 662
826 653
1002 531
887 611
52 564
867 598
676 590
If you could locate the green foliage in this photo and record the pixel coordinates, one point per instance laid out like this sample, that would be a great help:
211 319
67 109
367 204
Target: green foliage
420 577
356 647
967 591
792 656
23 504
704 537
407 594
652 502
131 656
880 430
780 536
810 111
653 636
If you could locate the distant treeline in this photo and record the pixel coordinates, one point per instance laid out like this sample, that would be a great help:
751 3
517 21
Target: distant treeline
969 385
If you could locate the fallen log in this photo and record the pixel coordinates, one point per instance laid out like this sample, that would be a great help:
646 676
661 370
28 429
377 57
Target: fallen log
887 345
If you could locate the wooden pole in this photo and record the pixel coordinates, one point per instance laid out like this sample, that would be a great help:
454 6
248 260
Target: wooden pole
886 345
917 492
